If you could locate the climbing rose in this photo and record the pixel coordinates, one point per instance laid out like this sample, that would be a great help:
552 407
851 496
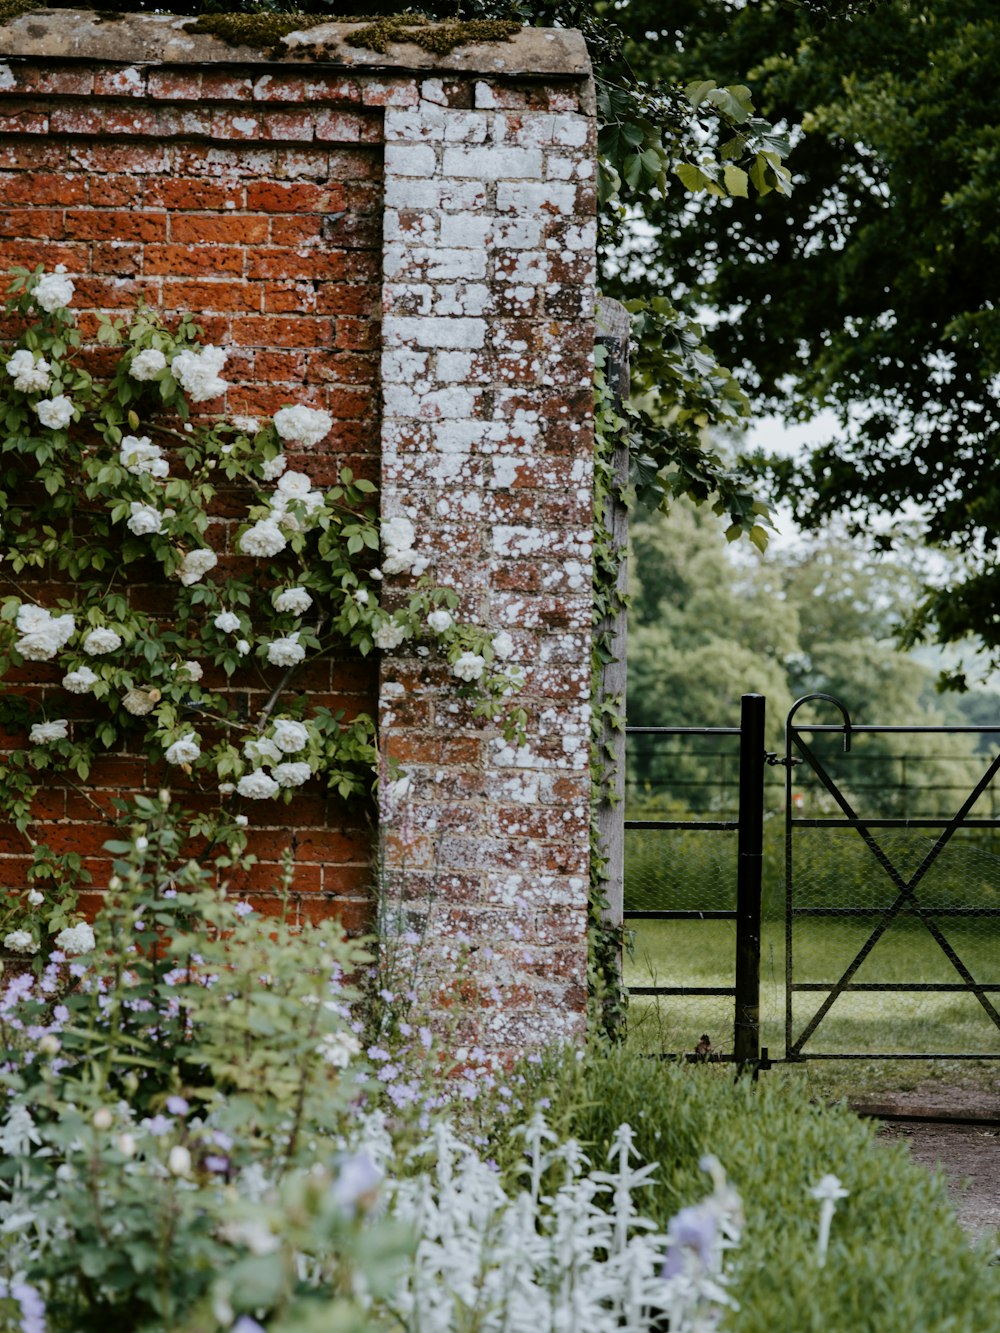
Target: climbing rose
184 751
285 652
55 412
80 680
145 520
468 667
101 640
53 292
20 941
296 600
257 785
193 670
43 732
264 539
289 736
196 564
198 373
272 468
30 376
305 424
76 939
503 645
140 702
390 635
439 621
42 633
140 455
227 621
291 775
148 364
261 750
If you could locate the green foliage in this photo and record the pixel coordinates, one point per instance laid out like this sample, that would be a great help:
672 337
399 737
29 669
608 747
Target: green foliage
96 510
864 293
897 1258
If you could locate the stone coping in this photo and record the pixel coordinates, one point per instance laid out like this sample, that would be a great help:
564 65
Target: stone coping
75 34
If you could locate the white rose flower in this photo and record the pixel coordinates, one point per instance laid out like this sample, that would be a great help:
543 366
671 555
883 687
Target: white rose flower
291 775
35 898
148 364
138 454
263 539
55 412
296 600
145 520
43 732
260 750
193 670
227 621
42 633
140 702
390 635
296 485
272 468
257 786
101 640
439 621
30 376
20 941
290 737
242 647
361 596
398 534
53 292
248 425
31 617
308 425
198 373
281 511
184 751
195 565
468 667
76 939
285 652
80 680
503 645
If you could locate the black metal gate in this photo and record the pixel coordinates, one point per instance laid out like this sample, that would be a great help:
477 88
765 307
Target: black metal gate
892 884
747 826
888 917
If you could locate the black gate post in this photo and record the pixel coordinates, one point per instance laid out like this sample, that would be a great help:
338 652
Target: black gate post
750 852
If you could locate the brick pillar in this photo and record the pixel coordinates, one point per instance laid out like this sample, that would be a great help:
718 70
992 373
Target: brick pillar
487 447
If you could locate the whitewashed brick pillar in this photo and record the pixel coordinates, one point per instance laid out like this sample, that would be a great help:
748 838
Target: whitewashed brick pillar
488 336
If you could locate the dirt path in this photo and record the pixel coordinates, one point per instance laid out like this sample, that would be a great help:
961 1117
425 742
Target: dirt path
968 1153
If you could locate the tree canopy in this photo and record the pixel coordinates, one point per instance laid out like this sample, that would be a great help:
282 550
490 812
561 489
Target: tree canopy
871 290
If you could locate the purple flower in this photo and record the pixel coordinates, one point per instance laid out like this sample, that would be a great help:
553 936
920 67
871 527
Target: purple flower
215 1163
158 1125
177 1105
247 1325
359 1176
694 1229
243 909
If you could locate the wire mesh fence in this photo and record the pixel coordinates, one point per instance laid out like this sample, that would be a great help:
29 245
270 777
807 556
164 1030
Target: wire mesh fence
893 919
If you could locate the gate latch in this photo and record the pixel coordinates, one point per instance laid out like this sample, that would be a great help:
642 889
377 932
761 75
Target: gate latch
776 761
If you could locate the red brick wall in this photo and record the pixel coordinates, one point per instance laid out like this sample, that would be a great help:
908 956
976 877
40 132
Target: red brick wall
293 208
256 204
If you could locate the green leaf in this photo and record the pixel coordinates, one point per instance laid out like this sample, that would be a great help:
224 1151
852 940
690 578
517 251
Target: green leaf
736 179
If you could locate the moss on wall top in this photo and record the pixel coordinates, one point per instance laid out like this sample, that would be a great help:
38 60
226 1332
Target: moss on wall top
269 30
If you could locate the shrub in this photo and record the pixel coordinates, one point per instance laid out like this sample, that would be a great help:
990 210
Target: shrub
898 1261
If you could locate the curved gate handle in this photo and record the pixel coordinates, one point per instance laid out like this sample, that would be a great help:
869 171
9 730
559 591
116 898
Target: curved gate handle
827 698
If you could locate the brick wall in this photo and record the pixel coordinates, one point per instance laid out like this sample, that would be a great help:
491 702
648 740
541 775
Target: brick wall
292 209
